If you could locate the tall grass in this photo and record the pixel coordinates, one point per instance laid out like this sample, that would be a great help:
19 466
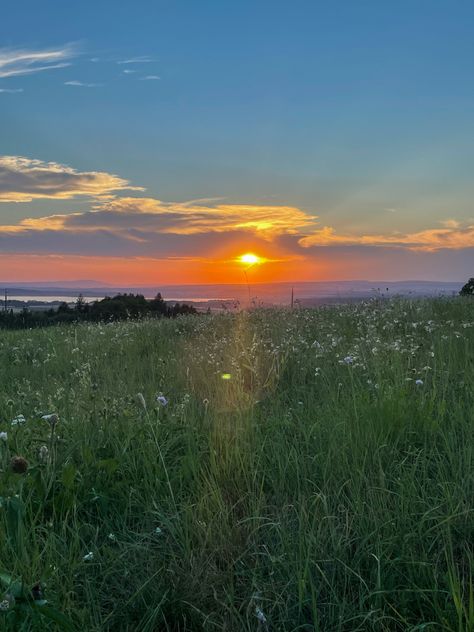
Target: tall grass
312 470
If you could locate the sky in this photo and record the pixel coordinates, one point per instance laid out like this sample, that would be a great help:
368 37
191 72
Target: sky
155 142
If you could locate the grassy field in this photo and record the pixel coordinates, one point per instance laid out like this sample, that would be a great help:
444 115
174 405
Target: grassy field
307 470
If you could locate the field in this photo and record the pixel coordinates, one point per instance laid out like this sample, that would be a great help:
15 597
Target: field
306 470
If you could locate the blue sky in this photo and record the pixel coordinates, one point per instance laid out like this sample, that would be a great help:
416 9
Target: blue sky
359 113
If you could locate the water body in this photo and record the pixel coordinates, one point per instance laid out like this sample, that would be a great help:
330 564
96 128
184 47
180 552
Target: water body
259 293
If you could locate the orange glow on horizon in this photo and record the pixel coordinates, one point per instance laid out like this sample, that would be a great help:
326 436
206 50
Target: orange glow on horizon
142 271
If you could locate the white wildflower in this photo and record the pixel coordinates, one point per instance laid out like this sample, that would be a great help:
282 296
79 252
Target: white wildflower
18 421
88 556
161 399
51 418
419 382
260 615
3 436
43 453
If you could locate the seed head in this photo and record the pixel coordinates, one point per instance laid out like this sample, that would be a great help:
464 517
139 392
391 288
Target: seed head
141 399
52 419
19 465
43 453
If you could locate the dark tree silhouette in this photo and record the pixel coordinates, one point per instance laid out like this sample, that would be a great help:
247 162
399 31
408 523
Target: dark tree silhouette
468 289
119 307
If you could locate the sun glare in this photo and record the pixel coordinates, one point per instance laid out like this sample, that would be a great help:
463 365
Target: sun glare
250 259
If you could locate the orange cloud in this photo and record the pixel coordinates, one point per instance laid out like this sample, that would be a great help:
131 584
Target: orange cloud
452 236
23 180
123 215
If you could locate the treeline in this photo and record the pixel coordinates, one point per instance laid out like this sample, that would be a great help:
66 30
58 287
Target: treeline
119 307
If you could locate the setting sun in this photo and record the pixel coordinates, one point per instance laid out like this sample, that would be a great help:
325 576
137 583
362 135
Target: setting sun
250 259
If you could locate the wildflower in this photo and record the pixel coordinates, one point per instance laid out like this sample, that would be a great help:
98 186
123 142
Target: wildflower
19 465
52 419
226 376
88 556
419 382
348 360
112 537
3 436
18 421
43 453
7 602
260 615
161 399
158 531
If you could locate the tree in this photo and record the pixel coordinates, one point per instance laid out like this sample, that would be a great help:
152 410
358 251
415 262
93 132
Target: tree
468 289
80 304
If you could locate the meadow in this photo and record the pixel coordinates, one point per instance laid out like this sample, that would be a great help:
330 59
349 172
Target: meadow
272 470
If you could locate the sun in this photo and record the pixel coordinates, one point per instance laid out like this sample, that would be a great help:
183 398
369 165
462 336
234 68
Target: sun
250 259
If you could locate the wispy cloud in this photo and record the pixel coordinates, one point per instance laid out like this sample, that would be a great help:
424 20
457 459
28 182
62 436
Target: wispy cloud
16 62
11 90
127 71
81 84
24 180
150 78
143 59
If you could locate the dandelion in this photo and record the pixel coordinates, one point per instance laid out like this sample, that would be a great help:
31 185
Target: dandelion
18 421
161 399
18 465
3 436
419 382
226 376
88 557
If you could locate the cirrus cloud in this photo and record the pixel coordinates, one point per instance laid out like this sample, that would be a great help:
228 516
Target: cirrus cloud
15 62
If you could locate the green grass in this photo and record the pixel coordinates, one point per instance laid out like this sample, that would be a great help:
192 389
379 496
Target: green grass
320 486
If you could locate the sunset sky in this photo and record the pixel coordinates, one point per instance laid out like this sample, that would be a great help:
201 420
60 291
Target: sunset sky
154 142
